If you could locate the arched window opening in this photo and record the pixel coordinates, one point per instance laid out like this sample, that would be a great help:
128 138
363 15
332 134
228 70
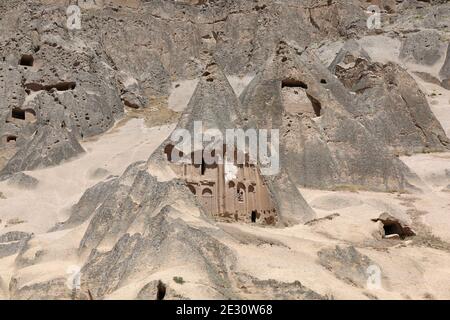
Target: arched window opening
207 192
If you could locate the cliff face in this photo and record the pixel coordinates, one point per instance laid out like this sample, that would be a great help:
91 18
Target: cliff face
345 98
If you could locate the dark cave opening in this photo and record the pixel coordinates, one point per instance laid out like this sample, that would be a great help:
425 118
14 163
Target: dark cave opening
291 83
11 138
161 290
26 60
18 113
63 86
393 228
253 216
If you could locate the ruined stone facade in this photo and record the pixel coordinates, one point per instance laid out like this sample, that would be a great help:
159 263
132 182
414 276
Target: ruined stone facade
229 192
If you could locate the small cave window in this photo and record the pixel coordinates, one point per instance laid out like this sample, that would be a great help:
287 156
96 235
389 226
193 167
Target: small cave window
317 106
251 189
291 83
253 217
26 60
18 113
323 81
161 290
11 139
231 184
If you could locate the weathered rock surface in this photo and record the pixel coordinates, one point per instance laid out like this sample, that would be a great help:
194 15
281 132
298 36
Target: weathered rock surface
389 103
322 144
55 289
276 290
58 87
12 242
222 111
423 47
445 71
158 290
22 180
162 243
346 263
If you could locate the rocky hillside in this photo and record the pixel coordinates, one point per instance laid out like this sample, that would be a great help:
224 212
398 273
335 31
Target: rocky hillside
364 126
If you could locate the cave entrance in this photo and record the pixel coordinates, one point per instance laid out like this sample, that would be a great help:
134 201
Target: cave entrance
393 228
17 113
253 216
11 139
161 290
26 60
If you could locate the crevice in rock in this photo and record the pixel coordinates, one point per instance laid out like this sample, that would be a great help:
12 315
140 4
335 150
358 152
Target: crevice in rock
317 106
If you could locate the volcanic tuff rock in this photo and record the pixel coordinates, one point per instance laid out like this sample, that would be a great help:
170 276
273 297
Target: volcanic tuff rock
389 103
445 71
423 47
321 140
22 180
221 111
12 242
346 263
341 126
56 75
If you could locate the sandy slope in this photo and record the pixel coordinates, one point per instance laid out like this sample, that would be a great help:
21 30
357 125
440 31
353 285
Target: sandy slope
60 187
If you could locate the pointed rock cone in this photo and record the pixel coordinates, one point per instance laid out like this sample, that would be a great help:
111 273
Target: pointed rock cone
322 144
215 104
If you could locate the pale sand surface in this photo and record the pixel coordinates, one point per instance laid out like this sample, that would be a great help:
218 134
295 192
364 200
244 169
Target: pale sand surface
60 187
